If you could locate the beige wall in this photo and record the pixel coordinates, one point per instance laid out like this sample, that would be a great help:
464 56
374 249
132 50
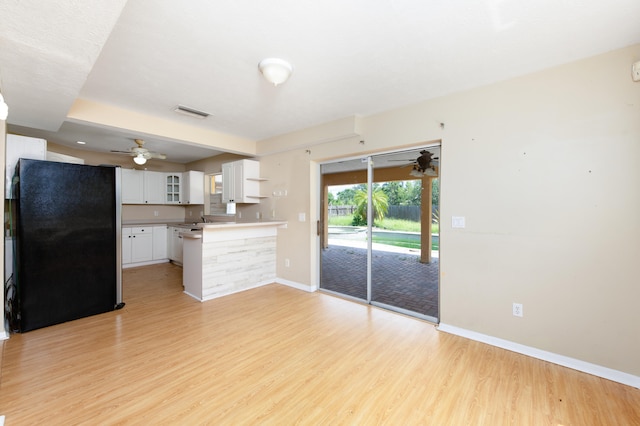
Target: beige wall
289 171
546 171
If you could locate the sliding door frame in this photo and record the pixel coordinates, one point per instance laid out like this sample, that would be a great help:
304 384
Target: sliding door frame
426 235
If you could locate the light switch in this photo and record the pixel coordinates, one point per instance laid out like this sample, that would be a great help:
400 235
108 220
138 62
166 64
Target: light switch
302 217
635 71
457 221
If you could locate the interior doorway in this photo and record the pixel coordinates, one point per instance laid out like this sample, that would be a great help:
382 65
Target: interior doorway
380 223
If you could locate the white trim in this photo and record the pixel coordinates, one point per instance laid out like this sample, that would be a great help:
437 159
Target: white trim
146 263
573 363
4 335
303 287
192 295
218 295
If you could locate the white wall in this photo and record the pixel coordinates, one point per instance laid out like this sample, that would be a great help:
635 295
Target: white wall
546 170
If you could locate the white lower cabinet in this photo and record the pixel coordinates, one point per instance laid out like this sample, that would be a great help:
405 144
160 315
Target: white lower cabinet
160 242
141 244
175 244
126 246
144 244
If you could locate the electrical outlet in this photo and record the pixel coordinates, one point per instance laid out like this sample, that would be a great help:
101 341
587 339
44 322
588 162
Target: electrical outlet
155 213
287 263
517 309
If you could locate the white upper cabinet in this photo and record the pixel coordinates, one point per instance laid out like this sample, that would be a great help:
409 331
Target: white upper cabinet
132 187
193 187
153 187
142 187
241 182
148 187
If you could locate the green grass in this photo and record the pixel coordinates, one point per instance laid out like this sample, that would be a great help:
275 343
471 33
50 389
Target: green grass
391 225
387 224
397 241
398 225
402 242
340 220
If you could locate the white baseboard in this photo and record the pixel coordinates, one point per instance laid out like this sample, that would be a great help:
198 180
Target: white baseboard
303 287
150 262
575 364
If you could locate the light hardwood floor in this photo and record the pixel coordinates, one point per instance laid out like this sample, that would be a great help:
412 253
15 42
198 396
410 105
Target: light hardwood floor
276 355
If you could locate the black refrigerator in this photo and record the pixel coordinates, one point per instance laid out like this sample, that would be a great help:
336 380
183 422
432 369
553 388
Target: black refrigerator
68 242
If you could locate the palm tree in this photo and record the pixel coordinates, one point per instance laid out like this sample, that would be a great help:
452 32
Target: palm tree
379 202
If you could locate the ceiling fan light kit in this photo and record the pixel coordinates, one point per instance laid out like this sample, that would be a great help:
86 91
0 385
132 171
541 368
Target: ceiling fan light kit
139 159
275 71
141 154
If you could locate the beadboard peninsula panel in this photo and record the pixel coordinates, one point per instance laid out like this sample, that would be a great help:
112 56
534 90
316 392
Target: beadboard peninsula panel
232 266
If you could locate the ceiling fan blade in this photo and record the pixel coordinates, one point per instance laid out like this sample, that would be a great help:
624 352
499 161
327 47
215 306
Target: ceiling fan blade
122 152
156 155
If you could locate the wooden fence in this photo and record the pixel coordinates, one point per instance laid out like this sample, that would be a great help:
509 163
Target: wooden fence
341 210
394 212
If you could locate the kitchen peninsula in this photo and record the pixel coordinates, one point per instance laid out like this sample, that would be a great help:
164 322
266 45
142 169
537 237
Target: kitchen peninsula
225 258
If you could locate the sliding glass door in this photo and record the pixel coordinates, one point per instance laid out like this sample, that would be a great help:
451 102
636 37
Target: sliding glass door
380 242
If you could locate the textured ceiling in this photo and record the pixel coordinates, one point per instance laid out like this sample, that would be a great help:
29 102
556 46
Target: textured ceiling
350 57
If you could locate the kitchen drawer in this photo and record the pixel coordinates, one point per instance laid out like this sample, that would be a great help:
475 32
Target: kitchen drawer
142 230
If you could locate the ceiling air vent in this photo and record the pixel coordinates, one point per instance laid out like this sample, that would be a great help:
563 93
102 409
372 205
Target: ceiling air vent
191 112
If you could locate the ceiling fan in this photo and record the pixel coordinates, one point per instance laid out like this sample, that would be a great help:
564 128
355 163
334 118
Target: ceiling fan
141 154
423 165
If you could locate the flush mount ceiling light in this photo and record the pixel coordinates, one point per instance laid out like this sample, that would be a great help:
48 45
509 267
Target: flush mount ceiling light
139 159
275 70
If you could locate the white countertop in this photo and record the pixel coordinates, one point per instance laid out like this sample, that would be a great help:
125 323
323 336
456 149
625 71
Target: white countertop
207 225
227 225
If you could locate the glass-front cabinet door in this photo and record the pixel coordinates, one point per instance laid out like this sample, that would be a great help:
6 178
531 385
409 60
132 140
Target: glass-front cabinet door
174 182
